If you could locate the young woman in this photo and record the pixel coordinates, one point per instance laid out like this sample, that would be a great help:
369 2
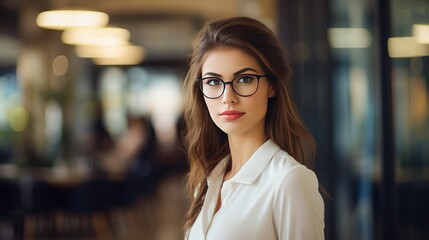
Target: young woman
247 147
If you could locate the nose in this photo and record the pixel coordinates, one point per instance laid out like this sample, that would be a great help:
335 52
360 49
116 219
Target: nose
229 96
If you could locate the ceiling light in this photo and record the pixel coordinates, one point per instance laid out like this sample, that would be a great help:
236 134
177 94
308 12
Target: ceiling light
349 37
96 36
107 51
112 55
421 33
118 61
406 47
63 19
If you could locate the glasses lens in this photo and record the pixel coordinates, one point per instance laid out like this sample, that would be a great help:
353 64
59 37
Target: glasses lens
212 87
245 85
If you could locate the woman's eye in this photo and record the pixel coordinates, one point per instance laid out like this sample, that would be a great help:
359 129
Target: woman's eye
213 82
245 79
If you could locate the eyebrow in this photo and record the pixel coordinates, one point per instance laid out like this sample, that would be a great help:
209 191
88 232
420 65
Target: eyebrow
235 74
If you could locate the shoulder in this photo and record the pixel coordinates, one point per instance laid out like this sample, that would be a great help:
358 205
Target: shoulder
283 160
290 175
297 206
283 164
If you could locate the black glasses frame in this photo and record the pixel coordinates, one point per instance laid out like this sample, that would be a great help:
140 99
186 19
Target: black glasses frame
258 76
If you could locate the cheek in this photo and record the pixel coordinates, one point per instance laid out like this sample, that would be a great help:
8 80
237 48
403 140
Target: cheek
211 107
260 107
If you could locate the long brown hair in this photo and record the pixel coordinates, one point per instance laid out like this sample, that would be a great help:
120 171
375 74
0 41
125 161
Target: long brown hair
206 143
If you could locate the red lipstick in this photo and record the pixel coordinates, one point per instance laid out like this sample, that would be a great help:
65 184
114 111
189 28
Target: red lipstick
231 114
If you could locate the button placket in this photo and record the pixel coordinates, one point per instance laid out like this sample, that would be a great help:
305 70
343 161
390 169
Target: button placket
209 205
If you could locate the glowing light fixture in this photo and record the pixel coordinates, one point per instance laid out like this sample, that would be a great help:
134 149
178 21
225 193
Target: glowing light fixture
421 33
406 47
60 65
124 60
112 55
63 19
349 37
96 36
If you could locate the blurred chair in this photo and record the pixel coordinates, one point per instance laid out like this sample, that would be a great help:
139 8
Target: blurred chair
10 215
63 211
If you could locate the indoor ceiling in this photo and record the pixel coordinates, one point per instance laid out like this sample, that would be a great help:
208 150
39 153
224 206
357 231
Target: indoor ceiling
165 28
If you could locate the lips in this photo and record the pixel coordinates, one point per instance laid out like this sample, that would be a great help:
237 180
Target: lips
231 114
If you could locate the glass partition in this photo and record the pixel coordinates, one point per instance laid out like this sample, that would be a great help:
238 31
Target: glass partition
355 117
410 79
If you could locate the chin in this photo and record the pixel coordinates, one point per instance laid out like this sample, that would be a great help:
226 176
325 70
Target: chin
231 130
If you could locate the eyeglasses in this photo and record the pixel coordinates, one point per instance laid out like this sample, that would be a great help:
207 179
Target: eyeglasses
244 85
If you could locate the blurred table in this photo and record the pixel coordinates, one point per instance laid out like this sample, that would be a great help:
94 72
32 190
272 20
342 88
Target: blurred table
60 201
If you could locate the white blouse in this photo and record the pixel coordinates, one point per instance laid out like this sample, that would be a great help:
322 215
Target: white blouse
271 197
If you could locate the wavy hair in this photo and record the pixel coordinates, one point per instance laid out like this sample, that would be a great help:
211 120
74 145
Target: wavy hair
206 143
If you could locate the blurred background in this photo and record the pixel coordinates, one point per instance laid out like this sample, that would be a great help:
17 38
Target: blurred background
90 143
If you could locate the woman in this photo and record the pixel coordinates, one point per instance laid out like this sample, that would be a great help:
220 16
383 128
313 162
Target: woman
247 147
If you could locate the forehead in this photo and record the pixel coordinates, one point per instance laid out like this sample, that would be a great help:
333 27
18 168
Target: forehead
226 61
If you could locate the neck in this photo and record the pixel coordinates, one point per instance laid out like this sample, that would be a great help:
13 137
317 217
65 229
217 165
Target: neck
242 148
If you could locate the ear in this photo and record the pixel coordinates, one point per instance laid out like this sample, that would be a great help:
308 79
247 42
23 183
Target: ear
272 91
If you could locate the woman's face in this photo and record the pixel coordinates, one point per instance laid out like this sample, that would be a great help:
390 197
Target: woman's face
232 113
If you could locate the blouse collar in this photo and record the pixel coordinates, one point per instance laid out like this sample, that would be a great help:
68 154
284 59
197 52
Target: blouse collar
251 170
